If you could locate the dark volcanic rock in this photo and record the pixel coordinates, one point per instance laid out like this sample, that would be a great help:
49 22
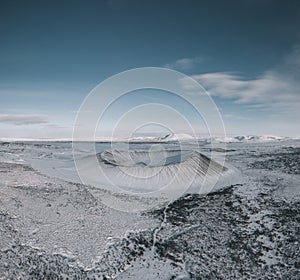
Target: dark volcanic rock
217 236
287 161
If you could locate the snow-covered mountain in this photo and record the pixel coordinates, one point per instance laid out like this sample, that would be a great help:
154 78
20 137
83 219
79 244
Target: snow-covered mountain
250 138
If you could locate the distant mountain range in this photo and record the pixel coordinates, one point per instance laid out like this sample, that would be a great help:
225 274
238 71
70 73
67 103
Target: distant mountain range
252 138
165 138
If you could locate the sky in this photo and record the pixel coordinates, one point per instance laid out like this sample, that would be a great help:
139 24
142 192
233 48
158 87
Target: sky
245 53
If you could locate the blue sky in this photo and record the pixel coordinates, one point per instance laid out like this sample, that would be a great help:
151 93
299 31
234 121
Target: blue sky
245 53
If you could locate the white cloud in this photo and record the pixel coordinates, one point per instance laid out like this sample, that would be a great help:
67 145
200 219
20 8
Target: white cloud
17 119
278 88
184 63
268 91
267 103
